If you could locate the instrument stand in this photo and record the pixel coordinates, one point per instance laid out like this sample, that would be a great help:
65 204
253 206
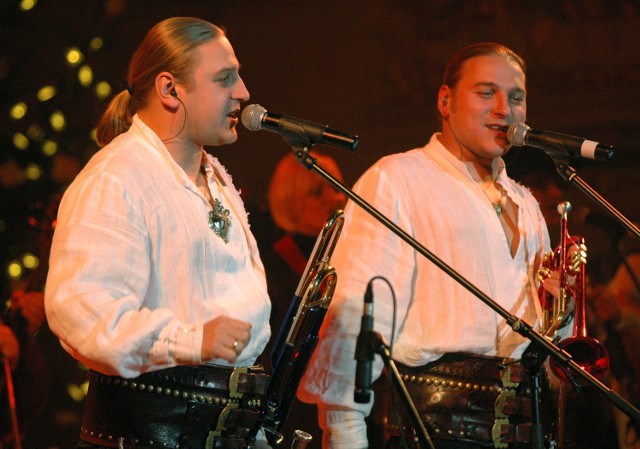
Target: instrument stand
301 151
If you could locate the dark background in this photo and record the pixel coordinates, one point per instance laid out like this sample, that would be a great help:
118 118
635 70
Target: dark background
370 68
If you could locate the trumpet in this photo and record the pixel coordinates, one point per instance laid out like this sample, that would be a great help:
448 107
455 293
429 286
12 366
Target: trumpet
570 258
298 335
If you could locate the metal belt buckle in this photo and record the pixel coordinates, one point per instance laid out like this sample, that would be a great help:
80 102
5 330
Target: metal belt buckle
231 405
501 418
234 379
496 432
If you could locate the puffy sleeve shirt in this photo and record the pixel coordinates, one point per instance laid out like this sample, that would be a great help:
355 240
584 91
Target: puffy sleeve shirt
436 199
135 271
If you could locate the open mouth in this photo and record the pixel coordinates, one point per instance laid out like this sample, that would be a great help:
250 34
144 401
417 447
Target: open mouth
499 128
234 116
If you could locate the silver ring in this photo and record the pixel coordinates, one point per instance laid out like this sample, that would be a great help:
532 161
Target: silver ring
235 345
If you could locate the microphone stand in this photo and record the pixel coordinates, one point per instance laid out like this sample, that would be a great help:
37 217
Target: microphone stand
569 174
301 147
380 347
532 359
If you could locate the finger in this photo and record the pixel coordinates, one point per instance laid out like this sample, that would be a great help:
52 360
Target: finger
231 355
237 345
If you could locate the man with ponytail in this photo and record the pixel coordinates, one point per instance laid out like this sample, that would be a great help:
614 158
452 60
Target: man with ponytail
155 280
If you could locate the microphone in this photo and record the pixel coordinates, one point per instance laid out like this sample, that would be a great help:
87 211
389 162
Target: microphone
294 130
558 144
364 351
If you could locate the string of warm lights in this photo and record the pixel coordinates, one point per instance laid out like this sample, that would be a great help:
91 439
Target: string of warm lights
42 120
43 116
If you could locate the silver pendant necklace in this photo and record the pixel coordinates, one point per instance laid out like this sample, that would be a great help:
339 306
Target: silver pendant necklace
219 216
497 206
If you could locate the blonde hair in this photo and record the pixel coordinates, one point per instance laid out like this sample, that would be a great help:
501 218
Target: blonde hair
169 47
290 184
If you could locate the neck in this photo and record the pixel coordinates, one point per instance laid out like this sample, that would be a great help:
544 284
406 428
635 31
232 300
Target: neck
486 168
168 128
486 173
481 173
191 163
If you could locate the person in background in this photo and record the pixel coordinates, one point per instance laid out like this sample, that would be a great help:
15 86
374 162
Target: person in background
155 282
614 318
300 203
29 376
455 197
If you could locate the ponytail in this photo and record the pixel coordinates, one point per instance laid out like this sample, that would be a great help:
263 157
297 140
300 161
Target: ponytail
116 118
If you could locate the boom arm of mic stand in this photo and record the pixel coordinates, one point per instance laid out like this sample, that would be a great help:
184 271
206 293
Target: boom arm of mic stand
569 174
562 357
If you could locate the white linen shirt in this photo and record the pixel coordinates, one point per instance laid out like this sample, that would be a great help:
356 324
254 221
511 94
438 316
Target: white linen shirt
135 271
436 199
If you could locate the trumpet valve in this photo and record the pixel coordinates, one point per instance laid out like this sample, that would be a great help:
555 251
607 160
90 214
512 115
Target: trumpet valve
543 274
577 258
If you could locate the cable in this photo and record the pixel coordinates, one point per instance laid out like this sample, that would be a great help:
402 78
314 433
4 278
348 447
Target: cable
184 121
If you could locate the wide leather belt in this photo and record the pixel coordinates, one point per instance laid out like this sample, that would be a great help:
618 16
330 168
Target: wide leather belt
182 407
466 397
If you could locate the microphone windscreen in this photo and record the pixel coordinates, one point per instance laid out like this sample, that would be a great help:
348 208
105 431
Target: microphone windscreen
517 133
252 117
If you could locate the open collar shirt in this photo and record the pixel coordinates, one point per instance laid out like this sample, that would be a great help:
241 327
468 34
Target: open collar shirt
135 270
436 199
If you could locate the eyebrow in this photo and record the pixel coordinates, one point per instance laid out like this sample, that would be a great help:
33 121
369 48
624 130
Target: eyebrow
231 68
492 84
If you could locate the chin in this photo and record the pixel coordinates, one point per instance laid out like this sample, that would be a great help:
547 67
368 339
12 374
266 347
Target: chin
497 150
226 139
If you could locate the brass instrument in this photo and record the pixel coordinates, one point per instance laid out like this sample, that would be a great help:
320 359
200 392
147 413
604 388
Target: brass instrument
298 335
570 258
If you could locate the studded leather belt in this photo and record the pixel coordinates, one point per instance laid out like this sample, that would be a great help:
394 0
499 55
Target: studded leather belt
183 407
468 398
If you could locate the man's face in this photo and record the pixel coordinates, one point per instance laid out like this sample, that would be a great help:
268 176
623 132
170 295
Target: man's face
490 95
213 99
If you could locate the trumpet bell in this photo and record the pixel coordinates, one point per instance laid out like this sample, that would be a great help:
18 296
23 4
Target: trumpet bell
587 352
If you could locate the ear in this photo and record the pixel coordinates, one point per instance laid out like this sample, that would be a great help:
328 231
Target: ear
166 90
444 97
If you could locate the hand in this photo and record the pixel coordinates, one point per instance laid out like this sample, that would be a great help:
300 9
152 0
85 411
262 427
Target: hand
31 305
225 338
552 283
9 346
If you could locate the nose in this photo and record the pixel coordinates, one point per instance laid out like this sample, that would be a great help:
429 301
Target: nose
240 92
501 106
